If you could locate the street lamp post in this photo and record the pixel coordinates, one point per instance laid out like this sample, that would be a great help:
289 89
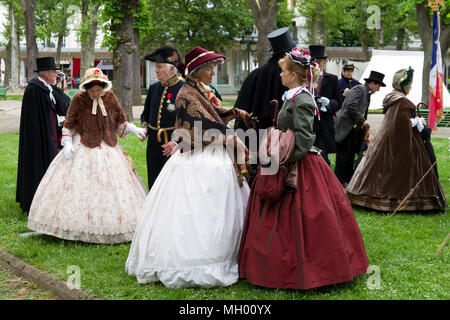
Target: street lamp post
248 43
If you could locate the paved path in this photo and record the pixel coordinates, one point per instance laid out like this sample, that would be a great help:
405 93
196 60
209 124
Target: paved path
10 118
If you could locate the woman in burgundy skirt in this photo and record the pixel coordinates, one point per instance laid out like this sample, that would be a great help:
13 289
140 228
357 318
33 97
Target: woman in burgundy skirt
309 237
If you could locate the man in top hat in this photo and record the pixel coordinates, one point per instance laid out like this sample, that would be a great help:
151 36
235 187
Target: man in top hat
351 124
159 108
347 81
264 83
38 137
329 102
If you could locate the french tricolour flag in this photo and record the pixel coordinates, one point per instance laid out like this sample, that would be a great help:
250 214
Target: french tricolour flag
436 78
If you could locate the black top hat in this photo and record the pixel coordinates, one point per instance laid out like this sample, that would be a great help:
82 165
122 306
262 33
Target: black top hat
165 54
280 41
317 51
47 63
349 67
377 77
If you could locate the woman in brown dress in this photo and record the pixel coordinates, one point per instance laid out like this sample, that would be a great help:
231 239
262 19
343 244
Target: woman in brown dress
396 162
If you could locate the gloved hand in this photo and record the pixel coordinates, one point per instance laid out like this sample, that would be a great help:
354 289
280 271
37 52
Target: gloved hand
139 132
60 120
68 146
417 122
422 119
420 125
345 92
324 101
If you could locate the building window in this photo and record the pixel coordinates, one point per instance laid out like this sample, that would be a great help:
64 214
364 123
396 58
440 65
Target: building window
239 58
222 73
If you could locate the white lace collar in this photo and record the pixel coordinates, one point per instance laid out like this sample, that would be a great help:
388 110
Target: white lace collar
290 93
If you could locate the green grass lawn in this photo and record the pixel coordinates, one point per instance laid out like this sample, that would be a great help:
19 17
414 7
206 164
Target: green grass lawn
12 97
401 246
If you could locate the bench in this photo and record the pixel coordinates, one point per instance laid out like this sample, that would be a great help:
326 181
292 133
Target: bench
3 92
441 123
72 92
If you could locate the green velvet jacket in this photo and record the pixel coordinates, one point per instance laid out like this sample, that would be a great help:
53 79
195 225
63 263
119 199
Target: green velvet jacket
298 115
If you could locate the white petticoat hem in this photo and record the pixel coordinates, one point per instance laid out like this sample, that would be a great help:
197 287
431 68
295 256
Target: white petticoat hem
220 274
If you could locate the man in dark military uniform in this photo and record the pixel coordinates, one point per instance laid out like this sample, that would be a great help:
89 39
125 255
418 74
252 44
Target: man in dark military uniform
347 81
329 102
159 113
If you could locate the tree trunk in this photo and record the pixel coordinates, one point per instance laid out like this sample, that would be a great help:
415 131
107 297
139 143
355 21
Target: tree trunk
137 78
15 51
7 79
364 33
264 14
400 39
379 33
318 26
59 45
426 36
123 58
88 35
29 11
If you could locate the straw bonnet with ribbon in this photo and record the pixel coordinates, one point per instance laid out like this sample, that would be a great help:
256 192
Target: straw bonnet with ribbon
96 76
196 57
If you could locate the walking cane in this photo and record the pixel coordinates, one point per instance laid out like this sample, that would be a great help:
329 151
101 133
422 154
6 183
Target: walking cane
274 103
419 114
163 131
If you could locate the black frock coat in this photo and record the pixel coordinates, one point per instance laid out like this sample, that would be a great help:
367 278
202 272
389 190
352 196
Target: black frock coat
324 128
36 150
260 87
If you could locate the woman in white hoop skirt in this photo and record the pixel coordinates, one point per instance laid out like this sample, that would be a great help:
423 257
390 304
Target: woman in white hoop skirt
189 231
90 191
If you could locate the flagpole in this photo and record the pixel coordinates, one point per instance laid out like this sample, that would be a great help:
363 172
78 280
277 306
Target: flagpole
435 84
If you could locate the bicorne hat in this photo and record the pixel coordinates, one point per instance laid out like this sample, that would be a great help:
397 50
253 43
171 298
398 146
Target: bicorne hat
281 41
377 77
197 57
46 63
166 54
317 51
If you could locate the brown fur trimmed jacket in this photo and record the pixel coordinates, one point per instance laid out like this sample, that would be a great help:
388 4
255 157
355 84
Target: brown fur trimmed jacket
95 128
